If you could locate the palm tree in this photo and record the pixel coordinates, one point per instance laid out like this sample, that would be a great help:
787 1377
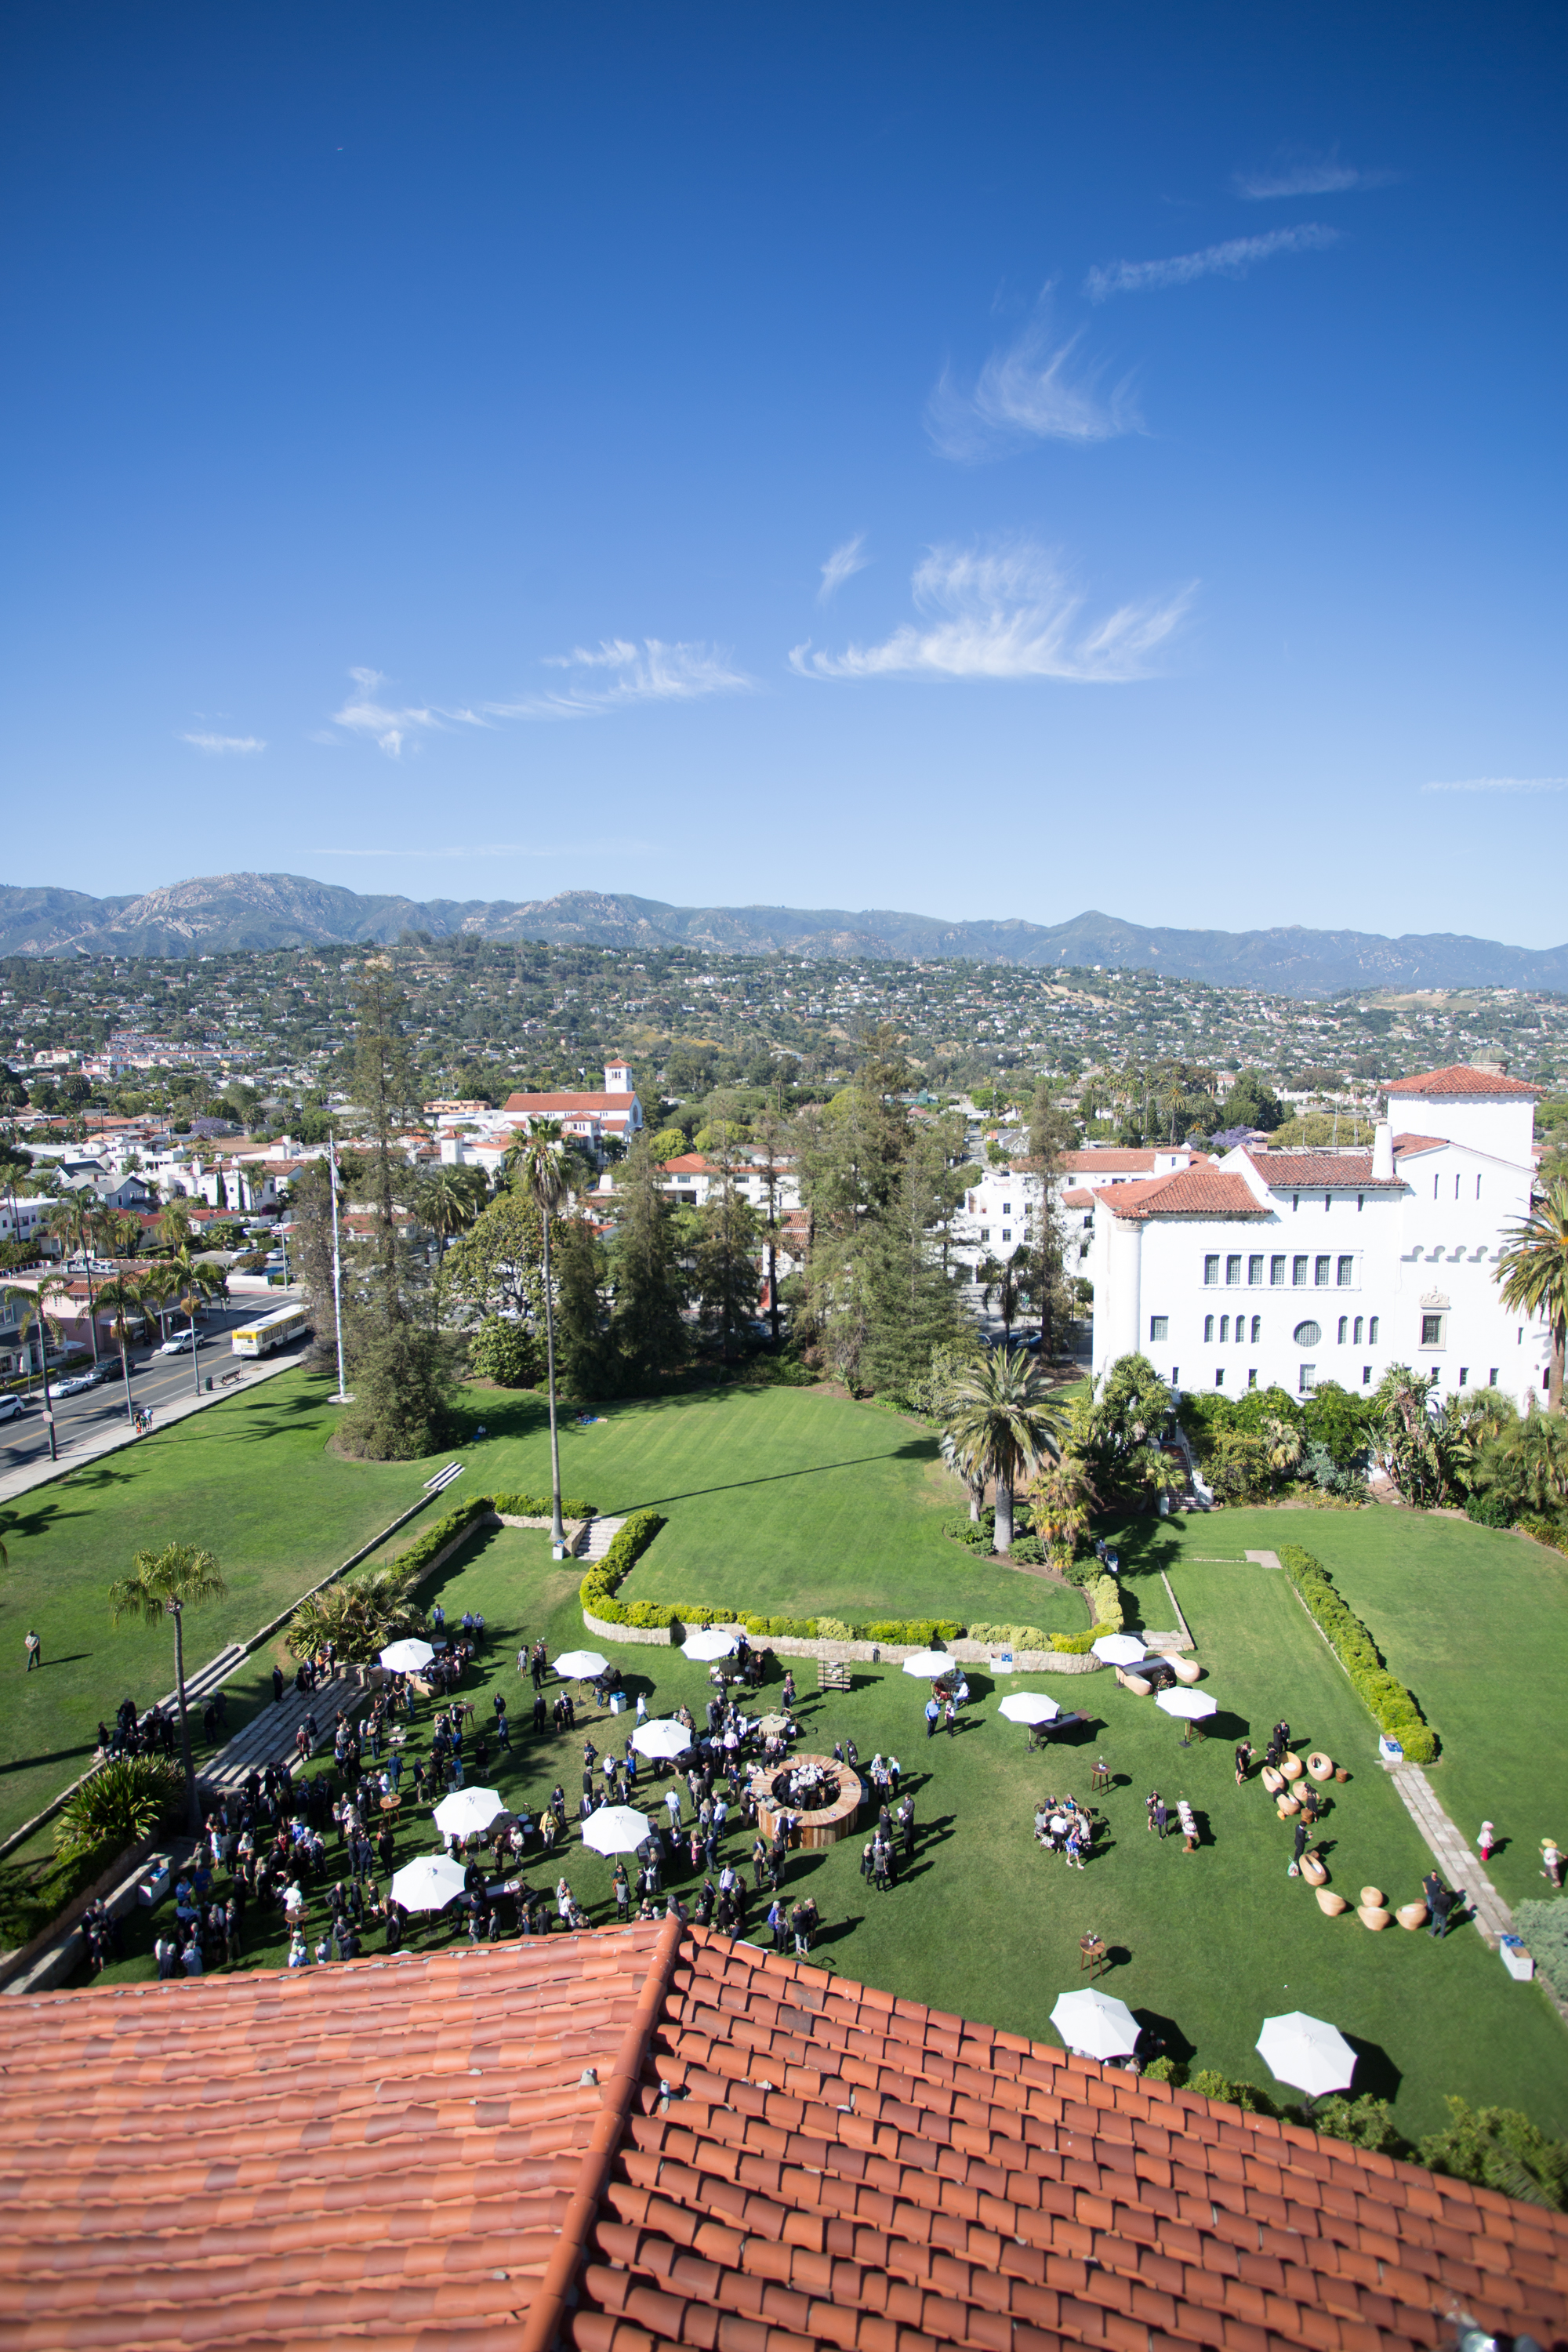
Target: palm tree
72 1220
188 1280
165 1584
1003 1424
173 1225
19 1293
126 1298
961 1465
1533 1274
1061 1501
1009 1281
540 1163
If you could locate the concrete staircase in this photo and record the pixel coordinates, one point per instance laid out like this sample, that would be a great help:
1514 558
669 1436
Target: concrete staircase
268 1737
597 1537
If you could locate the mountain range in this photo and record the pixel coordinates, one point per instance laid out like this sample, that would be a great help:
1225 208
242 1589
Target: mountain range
222 912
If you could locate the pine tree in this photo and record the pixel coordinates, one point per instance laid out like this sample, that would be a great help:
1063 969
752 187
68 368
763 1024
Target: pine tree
728 1283
911 1304
582 1341
1051 1135
647 1329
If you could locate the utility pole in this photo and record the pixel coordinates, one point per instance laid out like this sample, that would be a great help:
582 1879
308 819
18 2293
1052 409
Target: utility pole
343 1395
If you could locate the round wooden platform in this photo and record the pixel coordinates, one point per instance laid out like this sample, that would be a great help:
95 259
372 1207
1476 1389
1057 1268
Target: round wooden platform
824 1827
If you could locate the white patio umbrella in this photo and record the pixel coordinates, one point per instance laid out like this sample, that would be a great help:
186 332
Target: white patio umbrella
709 1642
579 1665
428 1885
1030 1706
617 1828
1307 2054
406 1657
1120 1649
662 1738
467 1812
929 1665
1191 1704
1097 2023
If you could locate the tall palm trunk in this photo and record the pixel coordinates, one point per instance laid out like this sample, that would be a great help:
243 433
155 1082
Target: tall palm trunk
190 1305
193 1802
125 1370
44 1364
557 1531
1004 1512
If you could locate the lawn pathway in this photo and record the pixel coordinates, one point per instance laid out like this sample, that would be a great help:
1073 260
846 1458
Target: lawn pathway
1458 1865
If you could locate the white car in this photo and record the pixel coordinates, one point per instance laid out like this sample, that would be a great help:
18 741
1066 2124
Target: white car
78 1384
180 1345
10 1408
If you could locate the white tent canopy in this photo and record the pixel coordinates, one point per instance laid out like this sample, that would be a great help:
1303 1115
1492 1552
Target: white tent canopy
468 1812
1119 1650
1097 2023
579 1665
1190 1704
428 1885
617 1828
929 1665
406 1657
1306 2052
1030 1706
662 1738
709 1642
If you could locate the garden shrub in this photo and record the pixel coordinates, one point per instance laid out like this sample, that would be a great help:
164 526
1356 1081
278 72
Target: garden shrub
1489 1510
596 1592
124 1801
1012 1637
1165 2070
1392 1706
834 1629
412 1562
1366 2122
506 1354
539 1507
1545 1927
1028 1551
1104 1598
918 1632
1546 1531
1497 2147
1210 2085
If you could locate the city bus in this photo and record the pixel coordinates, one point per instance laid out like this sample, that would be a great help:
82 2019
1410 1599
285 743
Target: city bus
269 1331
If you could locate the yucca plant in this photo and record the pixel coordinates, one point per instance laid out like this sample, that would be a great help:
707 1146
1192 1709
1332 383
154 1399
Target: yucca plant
359 1617
122 1802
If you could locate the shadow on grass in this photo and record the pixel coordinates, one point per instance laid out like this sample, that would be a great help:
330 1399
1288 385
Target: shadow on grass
780 1477
50 1756
1376 2075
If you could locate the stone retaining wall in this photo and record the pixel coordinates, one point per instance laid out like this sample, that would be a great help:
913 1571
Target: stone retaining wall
889 1653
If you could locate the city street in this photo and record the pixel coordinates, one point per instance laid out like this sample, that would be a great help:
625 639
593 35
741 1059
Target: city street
155 1381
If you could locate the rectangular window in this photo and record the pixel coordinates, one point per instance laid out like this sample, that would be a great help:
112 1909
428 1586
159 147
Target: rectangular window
1477 1188
1175 1376
1299 1266
1491 1378
1276 1274
1223 1329
1366 1376
1346 1272
1463 1376
1255 1273
1252 1378
1358 1330
1006 1208
1158 1326
1308 1379
1361 1200
1320 1273
1328 1203
1456 1187
1209 1328
1219 1378
1211 1271
1006 1234
1434 1188
1431 1330
1256 1329
1372 1333
1233 1271
1344 1326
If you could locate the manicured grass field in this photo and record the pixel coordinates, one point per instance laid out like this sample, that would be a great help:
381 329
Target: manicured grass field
983 1924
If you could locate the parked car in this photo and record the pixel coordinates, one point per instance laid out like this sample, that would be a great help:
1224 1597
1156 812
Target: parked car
77 1385
180 1345
12 1408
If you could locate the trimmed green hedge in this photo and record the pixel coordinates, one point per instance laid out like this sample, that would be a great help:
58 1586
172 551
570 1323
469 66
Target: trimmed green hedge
541 1506
1392 1706
1545 1927
412 1562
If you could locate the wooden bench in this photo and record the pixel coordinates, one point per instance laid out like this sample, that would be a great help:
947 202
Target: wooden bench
832 1674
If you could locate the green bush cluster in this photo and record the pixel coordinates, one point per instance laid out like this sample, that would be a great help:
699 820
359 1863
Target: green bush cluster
919 1632
597 1590
1392 1707
539 1507
412 1563
1546 1531
1545 1927
1104 1597
123 1802
1488 1511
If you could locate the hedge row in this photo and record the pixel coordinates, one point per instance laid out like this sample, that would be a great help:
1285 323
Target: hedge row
440 1532
1393 1708
539 1507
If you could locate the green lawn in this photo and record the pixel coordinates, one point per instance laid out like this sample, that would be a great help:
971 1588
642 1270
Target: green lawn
984 1924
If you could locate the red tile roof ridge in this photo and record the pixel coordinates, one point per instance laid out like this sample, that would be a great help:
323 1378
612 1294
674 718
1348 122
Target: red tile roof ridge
1462 1078
1187 1193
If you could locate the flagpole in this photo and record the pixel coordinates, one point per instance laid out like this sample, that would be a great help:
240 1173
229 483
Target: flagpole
343 1396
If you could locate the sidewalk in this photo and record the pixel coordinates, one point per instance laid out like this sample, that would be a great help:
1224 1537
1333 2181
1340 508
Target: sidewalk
109 1438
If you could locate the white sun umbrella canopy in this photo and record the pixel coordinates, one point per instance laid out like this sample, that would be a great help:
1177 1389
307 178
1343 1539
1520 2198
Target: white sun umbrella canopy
662 1738
708 1642
617 1828
1097 2023
1030 1706
468 1812
929 1665
1190 1704
579 1665
406 1657
428 1885
1309 2055
1120 1649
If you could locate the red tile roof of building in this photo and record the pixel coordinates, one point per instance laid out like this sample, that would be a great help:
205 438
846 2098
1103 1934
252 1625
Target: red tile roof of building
1403 1143
1462 1078
1318 1171
1186 1192
526 1105
1108 1163
772 2158
1080 1198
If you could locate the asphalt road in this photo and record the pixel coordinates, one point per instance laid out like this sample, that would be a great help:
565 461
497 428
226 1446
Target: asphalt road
154 1381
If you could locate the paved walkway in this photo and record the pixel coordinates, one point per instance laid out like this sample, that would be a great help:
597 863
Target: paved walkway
1458 1865
268 1737
109 1438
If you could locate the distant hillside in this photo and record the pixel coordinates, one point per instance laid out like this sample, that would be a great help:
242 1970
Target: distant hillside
227 911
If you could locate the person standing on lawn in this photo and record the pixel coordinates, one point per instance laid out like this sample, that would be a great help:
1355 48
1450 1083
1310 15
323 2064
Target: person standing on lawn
1301 1848
35 1650
933 1715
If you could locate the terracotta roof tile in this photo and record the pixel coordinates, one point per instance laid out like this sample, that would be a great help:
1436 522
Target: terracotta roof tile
1320 1171
1189 1192
1462 1078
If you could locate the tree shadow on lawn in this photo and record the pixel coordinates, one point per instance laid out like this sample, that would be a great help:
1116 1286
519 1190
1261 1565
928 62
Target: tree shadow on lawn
777 1477
50 1756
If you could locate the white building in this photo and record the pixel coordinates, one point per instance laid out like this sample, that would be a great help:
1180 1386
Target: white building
1286 1268
591 1118
1001 1210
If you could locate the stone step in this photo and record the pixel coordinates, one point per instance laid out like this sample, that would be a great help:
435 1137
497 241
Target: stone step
268 1737
597 1536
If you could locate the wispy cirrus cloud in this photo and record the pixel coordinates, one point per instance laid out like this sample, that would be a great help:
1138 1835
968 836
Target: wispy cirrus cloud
1234 258
393 730
1006 611
1036 390
617 674
1502 784
842 565
1306 175
225 744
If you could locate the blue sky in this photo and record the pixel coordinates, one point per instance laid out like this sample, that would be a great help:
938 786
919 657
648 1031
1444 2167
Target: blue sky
982 459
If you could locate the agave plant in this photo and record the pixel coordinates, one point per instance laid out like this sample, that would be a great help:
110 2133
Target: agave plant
122 1803
359 1617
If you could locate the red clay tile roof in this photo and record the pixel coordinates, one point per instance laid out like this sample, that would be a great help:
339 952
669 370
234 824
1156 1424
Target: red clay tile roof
1078 1198
546 1106
1188 1192
1462 1078
1315 1171
1404 1143
1108 1163
403 2154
